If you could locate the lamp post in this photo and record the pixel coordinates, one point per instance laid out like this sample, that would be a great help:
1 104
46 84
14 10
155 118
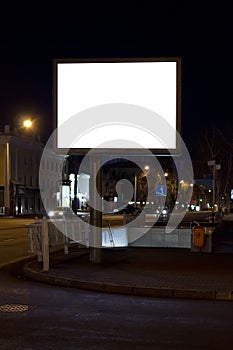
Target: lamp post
7 164
145 172
135 190
7 179
215 167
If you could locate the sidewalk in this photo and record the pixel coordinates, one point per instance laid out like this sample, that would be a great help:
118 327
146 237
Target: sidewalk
158 272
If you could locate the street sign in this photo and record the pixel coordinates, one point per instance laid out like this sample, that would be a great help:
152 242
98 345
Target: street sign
161 191
211 162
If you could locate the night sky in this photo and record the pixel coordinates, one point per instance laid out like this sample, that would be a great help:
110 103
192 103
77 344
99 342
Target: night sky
31 37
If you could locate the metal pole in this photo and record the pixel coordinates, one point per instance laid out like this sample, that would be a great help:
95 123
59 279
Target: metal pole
75 192
214 181
214 184
7 180
45 243
95 215
135 190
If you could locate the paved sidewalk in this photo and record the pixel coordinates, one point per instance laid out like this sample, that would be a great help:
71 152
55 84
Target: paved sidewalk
159 272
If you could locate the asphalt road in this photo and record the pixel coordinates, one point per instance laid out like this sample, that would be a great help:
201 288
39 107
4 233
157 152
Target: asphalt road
13 239
35 316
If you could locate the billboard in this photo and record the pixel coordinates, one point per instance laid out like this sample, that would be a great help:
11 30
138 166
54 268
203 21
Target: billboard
93 85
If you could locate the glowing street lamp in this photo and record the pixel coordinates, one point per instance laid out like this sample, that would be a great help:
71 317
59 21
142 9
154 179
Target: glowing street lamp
28 126
27 123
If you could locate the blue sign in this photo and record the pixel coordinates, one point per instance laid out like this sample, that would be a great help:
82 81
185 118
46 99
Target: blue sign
161 190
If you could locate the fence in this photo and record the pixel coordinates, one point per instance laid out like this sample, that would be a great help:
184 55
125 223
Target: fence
2 210
46 233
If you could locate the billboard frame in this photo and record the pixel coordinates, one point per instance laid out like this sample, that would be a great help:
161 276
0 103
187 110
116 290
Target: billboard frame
137 152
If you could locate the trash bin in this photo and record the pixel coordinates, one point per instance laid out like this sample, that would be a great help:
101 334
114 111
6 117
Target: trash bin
198 236
201 239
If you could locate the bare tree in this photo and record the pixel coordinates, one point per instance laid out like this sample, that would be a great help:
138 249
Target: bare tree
218 145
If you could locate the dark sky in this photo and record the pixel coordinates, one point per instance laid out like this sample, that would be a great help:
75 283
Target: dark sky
30 37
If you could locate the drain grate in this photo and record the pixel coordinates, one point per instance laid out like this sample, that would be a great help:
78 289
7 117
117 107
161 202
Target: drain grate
13 308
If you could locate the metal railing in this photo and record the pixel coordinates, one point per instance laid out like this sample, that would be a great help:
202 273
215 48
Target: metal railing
2 210
46 233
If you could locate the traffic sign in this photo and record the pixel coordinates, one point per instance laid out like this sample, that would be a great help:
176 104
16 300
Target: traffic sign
161 191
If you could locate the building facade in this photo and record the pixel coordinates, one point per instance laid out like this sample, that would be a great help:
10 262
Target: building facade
19 173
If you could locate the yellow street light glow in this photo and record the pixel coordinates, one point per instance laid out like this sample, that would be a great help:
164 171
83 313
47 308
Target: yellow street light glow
27 123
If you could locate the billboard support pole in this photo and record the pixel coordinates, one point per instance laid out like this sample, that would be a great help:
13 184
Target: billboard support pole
95 215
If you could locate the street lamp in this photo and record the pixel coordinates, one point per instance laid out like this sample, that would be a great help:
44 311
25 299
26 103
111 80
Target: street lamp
27 123
145 173
29 127
215 167
7 178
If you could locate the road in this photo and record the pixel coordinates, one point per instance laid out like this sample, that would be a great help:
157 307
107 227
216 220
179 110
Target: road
37 316
13 239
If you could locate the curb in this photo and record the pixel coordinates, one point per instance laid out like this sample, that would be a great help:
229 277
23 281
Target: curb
18 261
30 259
127 289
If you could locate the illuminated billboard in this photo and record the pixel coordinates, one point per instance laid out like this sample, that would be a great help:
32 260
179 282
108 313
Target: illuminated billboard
98 98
